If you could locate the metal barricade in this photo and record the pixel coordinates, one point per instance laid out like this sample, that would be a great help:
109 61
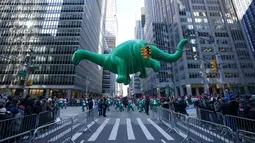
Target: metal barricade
81 121
14 126
211 116
240 123
198 113
204 131
165 114
61 131
179 122
24 137
245 136
156 112
45 118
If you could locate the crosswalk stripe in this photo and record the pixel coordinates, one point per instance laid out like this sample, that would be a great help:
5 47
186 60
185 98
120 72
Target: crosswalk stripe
145 130
115 128
98 131
77 135
167 136
130 132
82 141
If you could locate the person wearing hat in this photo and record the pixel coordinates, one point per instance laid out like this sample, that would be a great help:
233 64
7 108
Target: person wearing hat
3 112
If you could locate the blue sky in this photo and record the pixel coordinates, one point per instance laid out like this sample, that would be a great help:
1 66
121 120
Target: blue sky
127 11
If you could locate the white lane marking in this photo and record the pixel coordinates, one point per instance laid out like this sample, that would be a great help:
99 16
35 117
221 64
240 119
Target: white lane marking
145 130
77 135
163 141
115 128
167 136
82 141
98 131
130 132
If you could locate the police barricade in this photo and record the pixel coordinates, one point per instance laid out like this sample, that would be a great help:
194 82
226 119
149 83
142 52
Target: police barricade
205 131
24 137
211 116
240 123
156 113
59 132
46 117
15 126
198 113
178 122
56 113
81 122
245 136
165 114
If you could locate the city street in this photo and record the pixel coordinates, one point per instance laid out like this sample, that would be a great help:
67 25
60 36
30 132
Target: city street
127 127
70 111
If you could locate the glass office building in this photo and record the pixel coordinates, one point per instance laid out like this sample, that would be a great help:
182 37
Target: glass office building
53 30
205 19
246 13
111 30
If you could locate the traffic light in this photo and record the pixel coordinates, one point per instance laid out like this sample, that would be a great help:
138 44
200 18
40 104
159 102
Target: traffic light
214 65
146 52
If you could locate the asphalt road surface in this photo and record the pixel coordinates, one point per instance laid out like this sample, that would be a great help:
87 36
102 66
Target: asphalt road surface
127 127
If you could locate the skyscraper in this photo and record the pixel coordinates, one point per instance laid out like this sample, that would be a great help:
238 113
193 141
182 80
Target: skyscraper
156 32
50 31
215 32
111 30
246 14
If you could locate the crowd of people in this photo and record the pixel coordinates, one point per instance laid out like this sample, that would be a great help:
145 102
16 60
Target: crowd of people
14 107
235 105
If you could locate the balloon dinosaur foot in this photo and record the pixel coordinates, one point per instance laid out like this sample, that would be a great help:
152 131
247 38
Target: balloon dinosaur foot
121 79
156 66
127 81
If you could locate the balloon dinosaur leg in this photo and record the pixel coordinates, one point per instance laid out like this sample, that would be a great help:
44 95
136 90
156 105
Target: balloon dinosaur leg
154 64
122 70
128 80
143 73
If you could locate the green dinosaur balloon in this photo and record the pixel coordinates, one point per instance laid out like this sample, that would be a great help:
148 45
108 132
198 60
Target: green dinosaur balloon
127 58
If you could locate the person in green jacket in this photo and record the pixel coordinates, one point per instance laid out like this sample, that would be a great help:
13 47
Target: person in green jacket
83 105
130 105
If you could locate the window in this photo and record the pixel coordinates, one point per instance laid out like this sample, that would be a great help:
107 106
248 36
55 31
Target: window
212 75
195 75
231 75
218 34
225 49
193 66
199 13
207 49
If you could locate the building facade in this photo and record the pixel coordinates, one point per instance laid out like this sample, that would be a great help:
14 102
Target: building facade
246 14
215 31
53 30
111 30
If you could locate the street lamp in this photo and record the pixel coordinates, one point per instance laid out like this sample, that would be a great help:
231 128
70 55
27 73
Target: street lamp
87 83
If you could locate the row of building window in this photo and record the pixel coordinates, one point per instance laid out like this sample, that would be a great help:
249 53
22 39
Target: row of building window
57 26
213 75
71 43
250 75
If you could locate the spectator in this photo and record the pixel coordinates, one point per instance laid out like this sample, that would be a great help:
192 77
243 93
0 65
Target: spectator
3 112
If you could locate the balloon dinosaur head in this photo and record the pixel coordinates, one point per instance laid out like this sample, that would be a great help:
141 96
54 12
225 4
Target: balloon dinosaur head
151 51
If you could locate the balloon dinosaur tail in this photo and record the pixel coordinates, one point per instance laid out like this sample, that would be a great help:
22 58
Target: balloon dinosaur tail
87 55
